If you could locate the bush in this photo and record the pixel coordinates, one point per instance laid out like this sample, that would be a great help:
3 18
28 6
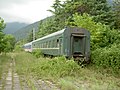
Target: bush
107 57
57 67
37 53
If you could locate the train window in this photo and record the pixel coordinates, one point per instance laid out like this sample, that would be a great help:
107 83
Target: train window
49 44
57 40
46 44
53 43
42 45
57 43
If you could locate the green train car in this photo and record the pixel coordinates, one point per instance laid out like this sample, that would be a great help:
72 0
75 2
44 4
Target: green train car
70 42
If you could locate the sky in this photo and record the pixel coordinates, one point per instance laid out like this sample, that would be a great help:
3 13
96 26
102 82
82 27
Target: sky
25 11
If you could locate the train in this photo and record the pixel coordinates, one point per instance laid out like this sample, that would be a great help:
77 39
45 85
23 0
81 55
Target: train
28 47
69 42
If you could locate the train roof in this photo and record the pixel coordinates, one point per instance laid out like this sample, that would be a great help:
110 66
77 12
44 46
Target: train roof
50 35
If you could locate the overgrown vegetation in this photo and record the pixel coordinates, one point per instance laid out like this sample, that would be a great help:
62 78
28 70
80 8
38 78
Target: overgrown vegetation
4 59
107 58
37 53
99 17
7 42
66 73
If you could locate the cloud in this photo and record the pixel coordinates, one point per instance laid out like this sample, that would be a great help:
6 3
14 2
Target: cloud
25 10
9 3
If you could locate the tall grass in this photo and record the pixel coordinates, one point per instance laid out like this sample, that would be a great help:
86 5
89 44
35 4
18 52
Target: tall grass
4 59
66 73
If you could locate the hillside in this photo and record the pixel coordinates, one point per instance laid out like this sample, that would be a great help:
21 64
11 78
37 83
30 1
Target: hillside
13 27
24 32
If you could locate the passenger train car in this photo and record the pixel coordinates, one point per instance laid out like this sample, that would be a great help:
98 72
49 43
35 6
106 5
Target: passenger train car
70 42
28 47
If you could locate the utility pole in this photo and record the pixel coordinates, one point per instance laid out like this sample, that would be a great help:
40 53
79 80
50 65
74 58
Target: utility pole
33 34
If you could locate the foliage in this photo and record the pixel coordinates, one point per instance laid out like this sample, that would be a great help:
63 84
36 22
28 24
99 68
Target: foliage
31 36
7 42
19 46
66 73
104 41
4 59
107 57
1 42
100 33
99 9
47 26
116 8
37 53
63 12
2 24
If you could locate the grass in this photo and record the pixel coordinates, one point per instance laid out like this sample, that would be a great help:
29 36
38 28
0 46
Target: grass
67 74
4 66
4 60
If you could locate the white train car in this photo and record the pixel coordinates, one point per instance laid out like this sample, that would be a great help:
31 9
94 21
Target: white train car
28 47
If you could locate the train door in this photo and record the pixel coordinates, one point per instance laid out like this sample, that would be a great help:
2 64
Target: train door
78 45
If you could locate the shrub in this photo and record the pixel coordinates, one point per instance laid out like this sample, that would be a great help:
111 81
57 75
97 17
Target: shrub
37 53
56 67
107 57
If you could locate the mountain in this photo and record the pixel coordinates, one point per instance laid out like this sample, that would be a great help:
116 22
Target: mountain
13 27
23 33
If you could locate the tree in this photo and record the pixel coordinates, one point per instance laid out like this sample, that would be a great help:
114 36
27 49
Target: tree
30 36
47 26
97 8
8 43
101 35
2 26
65 10
116 10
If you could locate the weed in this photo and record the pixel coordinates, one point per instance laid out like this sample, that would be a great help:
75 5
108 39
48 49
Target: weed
58 69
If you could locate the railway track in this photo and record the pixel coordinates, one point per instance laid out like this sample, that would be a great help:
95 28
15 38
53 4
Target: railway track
12 81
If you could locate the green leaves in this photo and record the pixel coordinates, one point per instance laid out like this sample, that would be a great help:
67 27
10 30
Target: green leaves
116 7
97 30
47 26
2 24
107 57
7 42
